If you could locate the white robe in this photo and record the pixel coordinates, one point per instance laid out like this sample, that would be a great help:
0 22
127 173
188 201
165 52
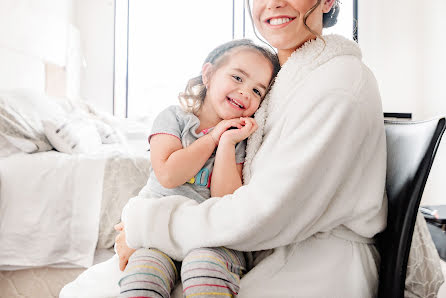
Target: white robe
314 188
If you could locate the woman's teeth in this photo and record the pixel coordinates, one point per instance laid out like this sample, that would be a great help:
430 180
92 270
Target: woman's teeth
279 21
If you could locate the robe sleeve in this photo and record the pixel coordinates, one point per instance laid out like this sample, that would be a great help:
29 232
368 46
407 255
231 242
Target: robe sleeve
306 185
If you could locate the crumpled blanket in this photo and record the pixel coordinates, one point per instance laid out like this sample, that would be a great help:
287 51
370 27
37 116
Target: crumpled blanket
124 176
424 276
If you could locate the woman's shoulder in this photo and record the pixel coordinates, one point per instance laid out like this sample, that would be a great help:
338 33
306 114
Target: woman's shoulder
334 61
346 73
343 81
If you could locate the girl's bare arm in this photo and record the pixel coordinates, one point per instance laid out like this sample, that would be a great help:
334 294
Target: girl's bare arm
227 174
174 165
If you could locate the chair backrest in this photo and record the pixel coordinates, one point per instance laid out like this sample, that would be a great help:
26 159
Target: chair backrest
411 148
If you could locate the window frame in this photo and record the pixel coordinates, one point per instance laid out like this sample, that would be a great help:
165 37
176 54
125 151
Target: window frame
120 97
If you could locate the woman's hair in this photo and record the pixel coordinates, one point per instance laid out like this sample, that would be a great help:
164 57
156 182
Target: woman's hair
193 96
328 19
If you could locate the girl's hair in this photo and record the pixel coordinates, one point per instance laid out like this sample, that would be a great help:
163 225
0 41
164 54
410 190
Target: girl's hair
193 96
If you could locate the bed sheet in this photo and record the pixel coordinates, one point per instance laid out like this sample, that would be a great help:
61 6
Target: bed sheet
49 209
124 176
56 208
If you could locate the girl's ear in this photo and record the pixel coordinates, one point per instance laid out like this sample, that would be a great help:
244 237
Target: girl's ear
206 72
328 4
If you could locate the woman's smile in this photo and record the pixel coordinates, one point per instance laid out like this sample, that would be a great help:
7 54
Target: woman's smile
280 21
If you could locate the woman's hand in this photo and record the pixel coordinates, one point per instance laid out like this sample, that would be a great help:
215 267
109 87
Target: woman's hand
124 252
233 136
223 126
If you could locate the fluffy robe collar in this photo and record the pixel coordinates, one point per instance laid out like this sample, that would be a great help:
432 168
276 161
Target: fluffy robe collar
305 59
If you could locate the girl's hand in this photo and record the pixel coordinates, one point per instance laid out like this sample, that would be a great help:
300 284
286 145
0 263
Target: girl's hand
233 136
223 126
124 252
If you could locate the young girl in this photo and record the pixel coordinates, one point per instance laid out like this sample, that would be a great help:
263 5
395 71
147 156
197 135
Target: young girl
197 151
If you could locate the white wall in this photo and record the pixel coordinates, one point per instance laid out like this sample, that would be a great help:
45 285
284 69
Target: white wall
35 28
404 42
21 71
32 34
95 21
35 33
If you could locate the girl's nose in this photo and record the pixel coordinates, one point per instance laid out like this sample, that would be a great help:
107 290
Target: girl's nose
244 93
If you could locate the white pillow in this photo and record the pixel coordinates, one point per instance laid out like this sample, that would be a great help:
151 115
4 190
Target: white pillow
108 134
74 135
21 112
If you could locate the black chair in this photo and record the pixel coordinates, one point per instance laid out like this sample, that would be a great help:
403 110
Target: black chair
411 148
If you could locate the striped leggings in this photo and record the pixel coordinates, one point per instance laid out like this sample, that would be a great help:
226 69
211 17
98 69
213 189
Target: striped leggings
205 272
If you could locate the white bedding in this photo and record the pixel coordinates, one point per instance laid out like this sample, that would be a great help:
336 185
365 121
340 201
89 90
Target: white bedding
49 209
53 205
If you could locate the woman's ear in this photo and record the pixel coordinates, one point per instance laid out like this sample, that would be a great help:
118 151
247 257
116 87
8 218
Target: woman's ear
328 4
206 73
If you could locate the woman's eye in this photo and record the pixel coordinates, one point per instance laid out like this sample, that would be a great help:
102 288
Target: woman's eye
257 92
237 78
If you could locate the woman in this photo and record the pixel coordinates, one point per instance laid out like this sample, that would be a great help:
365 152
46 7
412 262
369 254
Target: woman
314 174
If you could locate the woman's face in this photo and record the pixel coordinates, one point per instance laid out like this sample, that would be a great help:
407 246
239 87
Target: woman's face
281 22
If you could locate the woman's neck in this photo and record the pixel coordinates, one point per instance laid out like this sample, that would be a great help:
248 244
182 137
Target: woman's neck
284 54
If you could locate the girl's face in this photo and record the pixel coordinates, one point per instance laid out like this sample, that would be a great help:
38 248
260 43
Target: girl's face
281 22
236 87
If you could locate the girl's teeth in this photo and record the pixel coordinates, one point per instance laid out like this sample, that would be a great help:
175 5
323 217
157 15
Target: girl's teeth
237 104
279 21
234 103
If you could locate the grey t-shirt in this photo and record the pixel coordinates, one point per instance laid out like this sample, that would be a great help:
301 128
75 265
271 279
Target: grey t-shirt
183 125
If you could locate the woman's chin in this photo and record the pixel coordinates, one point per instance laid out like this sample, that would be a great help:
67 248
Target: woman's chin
281 43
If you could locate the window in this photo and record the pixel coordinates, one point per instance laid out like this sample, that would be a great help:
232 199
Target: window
159 47
166 47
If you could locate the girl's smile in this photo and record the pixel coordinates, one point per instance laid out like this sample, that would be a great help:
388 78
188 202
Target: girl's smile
235 104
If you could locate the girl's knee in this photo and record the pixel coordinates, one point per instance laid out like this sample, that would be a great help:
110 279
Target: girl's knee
210 270
149 271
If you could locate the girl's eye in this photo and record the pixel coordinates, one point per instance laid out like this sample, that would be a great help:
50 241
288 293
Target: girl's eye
237 78
257 92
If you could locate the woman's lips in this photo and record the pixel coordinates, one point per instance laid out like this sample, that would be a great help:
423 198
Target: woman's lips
280 21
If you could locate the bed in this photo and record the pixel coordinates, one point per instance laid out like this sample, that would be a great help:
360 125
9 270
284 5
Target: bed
58 203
